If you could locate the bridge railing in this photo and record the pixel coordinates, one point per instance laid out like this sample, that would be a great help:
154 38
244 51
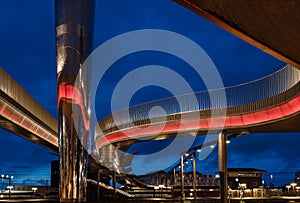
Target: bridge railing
17 95
265 92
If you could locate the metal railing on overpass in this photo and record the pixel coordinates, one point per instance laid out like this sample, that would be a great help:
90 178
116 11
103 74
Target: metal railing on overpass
24 116
259 94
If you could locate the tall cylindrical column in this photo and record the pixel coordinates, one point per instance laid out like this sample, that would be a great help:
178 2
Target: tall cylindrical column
74 22
222 153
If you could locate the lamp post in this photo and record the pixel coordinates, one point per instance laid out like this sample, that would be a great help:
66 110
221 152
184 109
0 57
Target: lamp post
194 177
293 185
242 186
34 189
174 181
9 190
182 178
7 178
271 180
10 180
297 190
288 188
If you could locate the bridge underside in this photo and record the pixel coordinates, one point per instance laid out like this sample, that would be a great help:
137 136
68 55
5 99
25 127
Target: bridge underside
288 124
23 115
26 134
257 117
272 26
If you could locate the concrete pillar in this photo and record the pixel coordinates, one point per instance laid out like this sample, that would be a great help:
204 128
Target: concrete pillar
74 22
222 153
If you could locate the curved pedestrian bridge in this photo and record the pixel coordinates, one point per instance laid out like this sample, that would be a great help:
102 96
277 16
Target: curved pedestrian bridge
269 104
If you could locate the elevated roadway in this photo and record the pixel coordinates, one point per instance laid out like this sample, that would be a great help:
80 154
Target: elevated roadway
23 115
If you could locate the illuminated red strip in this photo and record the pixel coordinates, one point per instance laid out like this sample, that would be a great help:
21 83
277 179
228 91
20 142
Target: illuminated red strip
235 121
20 119
68 92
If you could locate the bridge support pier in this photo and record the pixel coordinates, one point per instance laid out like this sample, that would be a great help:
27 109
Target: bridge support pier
115 184
74 22
195 176
222 153
182 178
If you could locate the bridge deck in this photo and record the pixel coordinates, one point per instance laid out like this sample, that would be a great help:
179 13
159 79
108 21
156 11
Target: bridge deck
23 115
250 108
272 26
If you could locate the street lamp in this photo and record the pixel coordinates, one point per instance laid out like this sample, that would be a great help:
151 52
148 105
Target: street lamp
11 180
34 189
293 185
288 188
271 182
9 189
7 178
242 187
297 190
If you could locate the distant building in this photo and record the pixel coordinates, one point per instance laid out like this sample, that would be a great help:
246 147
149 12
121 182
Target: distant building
55 174
250 176
39 190
163 178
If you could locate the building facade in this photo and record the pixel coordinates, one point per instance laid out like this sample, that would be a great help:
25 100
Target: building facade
249 177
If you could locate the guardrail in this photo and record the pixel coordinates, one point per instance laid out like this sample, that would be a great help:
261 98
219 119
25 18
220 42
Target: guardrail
265 92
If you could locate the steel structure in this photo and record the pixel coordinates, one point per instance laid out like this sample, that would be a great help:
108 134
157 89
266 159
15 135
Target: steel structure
23 115
270 104
74 33
272 26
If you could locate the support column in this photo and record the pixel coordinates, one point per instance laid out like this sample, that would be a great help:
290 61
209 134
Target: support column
174 177
115 184
222 152
174 181
182 178
194 176
98 185
74 22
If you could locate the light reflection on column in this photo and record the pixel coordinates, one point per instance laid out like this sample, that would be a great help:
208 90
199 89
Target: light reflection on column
74 22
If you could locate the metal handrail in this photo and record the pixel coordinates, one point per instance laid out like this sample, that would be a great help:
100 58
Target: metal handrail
265 92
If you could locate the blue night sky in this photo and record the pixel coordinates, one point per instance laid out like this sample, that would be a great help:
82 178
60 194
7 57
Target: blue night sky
27 39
